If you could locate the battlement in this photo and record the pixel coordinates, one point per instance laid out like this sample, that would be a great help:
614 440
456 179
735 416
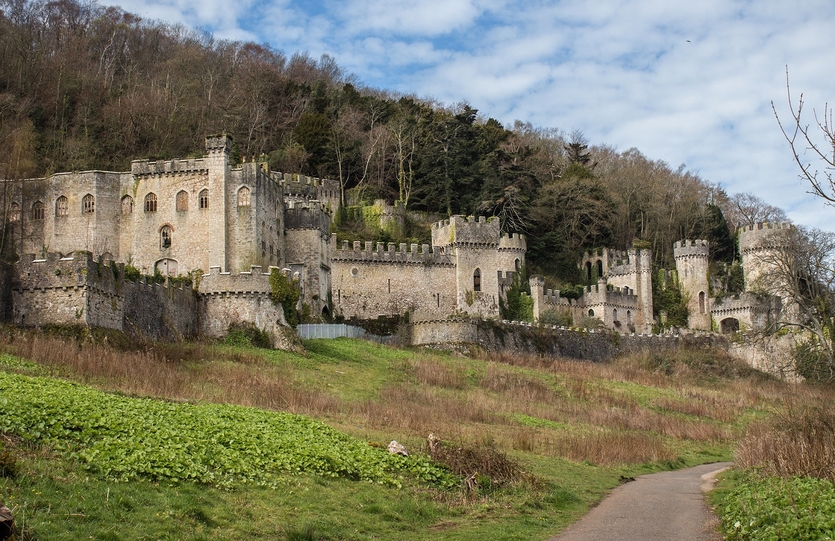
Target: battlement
145 168
762 235
297 186
255 281
635 262
513 242
311 214
466 231
365 251
691 248
219 143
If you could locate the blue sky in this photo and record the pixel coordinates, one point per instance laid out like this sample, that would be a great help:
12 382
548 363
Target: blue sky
685 82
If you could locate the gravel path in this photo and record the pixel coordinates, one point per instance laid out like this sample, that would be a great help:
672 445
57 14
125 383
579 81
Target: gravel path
666 506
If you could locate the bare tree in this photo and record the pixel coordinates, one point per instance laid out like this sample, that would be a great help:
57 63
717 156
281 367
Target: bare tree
748 209
798 265
816 140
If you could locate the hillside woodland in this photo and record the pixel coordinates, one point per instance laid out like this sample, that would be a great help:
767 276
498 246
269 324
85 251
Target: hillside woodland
84 86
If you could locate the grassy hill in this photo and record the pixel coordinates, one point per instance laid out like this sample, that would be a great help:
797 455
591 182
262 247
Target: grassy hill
106 440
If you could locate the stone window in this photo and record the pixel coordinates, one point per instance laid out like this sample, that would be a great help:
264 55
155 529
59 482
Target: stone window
591 312
127 205
599 269
517 264
62 206
14 212
204 199
165 237
628 317
88 204
477 280
151 202
38 210
615 315
701 302
243 197
182 201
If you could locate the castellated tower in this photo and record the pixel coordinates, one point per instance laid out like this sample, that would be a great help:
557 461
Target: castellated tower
760 245
692 266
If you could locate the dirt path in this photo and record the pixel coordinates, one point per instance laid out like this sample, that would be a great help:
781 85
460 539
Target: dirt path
665 506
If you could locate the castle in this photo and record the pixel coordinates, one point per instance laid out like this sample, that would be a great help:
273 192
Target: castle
230 227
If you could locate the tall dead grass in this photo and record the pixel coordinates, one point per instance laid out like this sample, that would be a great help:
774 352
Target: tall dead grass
798 443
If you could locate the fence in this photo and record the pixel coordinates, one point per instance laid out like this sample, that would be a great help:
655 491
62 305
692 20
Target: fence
307 331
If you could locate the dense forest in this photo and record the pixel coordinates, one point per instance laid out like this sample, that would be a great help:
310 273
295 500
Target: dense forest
84 86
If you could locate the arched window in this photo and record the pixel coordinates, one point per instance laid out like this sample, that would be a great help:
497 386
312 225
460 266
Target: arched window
701 302
628 317
127 205
14 212
588 271
591 312
38 210
204 199
243 197
62 206
477 280
518 265
151 202
165 237
88 204
599 269
182 201
615 315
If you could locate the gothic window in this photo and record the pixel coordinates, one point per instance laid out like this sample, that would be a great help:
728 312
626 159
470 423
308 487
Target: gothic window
165 237
701 302
628 317
204 199
62 206
477 280
38 210
88 204
615 315
127 204
599 269
14 212
182 201
243 197
591 312
151 202
518 265
588 271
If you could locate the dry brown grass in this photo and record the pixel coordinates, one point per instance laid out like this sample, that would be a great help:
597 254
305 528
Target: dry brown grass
598 422
798 443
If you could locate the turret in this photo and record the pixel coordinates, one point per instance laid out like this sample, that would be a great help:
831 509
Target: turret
692 266
218 149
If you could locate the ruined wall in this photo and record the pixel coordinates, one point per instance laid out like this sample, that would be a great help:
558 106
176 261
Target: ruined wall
367 282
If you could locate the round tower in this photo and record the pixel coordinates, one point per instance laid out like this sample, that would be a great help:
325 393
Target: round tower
692 266
759 246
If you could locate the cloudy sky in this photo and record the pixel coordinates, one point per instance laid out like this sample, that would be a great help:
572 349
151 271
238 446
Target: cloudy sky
687 82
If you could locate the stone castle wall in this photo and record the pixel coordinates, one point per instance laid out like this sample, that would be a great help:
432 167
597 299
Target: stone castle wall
368 282
691 257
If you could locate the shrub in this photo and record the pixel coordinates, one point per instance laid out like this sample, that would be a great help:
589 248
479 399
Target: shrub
286 293
247 335
481 465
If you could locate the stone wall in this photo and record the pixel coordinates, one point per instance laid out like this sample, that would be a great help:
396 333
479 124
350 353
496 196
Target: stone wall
519 338
367 283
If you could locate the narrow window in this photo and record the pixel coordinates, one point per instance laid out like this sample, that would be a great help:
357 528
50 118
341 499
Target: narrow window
37 210
14 212
701 302
599 269
165 237
88 204
588 271
591 312
243 197
182 201
62 206
389 285
127 205
151 202
615 314
628 317
477 280
518 265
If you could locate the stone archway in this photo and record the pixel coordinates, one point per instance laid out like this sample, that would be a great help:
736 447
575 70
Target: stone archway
166 267
729 325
